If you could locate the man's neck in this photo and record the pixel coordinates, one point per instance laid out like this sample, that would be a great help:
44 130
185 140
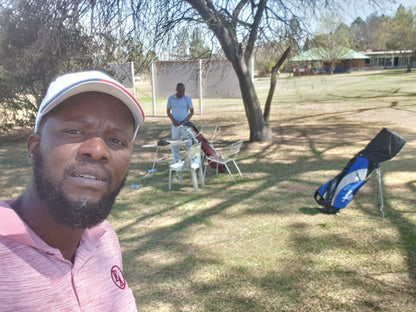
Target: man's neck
34 213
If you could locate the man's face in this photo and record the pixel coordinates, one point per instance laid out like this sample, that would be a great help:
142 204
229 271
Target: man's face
81 158
180 91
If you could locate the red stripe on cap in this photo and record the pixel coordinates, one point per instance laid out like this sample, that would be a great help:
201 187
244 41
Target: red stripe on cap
128 93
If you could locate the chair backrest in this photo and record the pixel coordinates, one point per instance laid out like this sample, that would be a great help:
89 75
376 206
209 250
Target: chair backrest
210 132
193 152
231 151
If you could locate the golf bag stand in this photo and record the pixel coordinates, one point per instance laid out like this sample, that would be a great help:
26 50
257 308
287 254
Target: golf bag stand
380 190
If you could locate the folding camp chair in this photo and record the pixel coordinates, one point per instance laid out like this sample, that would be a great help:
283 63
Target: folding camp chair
226 155
191 163
210 132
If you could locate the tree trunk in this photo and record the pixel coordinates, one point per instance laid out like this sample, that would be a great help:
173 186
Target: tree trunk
234 51
409 64
259 128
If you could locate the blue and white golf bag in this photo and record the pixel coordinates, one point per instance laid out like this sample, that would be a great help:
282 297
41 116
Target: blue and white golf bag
337 193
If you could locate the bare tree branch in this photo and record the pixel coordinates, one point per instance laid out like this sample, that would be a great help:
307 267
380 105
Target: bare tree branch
253 33
273 82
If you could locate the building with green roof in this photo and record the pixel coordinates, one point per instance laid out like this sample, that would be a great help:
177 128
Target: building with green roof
328 60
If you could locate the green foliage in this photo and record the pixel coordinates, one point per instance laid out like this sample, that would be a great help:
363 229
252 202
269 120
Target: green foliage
198 48
191 47
123 49
268 52
398 32
181 47
38 40
265 57
361 33
332 41
42 39
333 33
375 33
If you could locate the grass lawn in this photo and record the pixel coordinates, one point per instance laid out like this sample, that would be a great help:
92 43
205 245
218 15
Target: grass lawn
260 244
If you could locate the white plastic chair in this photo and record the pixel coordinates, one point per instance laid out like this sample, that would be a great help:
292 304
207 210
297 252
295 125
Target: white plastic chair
225 155
191 163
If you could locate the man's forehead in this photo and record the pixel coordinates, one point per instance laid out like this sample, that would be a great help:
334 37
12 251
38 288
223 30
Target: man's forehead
94 104
89 101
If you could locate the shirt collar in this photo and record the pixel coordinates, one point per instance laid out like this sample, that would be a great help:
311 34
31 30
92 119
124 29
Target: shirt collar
12 226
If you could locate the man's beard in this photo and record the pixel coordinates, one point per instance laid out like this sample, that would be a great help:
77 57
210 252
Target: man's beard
79 213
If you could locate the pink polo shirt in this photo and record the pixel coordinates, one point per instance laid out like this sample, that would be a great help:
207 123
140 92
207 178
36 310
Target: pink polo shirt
35 277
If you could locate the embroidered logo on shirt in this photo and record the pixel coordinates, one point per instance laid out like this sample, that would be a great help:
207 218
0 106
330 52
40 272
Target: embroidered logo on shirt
117 276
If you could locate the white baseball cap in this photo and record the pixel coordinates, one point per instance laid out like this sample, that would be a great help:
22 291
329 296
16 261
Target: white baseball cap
71 84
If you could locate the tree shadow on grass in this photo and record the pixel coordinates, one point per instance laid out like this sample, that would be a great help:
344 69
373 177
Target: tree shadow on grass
311 211
262 178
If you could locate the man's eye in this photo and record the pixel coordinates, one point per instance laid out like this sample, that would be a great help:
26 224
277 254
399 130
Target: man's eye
73 131
118 142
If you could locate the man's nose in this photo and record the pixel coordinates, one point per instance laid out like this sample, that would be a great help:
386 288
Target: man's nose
95 148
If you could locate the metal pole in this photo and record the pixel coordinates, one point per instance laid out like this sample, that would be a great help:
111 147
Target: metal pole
152 71
200 87
132 79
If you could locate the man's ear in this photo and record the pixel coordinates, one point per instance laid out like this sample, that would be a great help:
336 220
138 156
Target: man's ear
33 143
